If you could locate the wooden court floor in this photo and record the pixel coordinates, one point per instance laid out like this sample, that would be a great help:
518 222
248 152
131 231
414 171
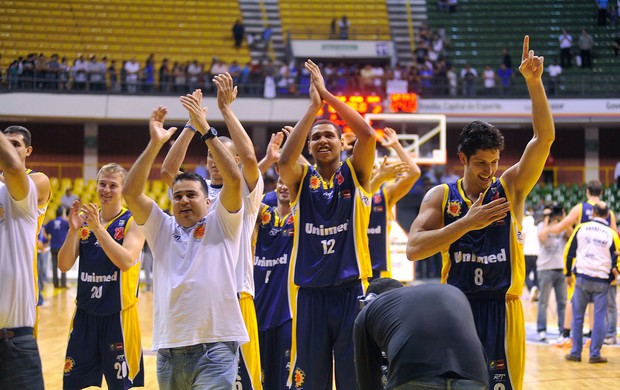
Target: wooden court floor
545 367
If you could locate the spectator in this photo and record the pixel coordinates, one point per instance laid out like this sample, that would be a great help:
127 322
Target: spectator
56 232
566 42
63 74
506 58
96 74
165 76
194 70
68 198
602 12
238 31
333 27
489 81
113 77
343 25
80 67
531 248
469 76
505 77
592 255
452 81
51 76
549 268
148 75
585 43
132 69
554 71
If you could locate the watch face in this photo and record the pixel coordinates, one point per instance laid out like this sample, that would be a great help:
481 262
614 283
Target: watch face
213 131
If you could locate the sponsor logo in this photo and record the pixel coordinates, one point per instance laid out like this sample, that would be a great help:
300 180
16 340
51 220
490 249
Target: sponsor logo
119 233
328 194
376 198
199 232
326 231
346 194
69 364
315 182
494 194
497 365
499 377
454 208
375 230
116 347
84 233
339 178
299 378
290 219
466 257
94 278
265 218
121 222
264 262
377 209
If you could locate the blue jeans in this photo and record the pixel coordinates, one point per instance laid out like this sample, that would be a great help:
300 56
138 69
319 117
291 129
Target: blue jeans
612 312
432 383
595 291
20 364
210 366
548 279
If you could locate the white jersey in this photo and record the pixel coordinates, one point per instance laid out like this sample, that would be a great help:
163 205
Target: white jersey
18 234
194 286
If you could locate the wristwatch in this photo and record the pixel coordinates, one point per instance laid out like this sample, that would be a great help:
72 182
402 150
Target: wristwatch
210 134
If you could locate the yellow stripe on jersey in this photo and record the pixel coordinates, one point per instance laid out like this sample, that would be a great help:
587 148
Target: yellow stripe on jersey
132 341
445 255
251 351
514 343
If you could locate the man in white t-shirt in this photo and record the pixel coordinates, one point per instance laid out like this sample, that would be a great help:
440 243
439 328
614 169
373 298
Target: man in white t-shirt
242 148
21 363
198 326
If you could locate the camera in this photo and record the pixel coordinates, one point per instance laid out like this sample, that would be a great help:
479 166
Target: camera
554 210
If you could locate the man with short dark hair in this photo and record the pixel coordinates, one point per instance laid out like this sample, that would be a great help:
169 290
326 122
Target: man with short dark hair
427 333
593 247
56 231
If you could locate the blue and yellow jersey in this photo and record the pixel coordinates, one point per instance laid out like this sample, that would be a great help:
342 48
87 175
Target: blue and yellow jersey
378 232
274 244
488 261
103 289
270 198
331 222
585 214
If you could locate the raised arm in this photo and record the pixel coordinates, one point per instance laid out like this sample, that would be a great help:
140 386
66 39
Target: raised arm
567 222
428 235
171 166
226 94
123 256
230 197
11 165
272 153
363 155
395 191
290 167
385 173
521 177
133 190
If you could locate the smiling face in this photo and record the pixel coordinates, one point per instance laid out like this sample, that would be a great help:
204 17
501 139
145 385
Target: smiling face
324 143
282 192
480 168
189 202
110 188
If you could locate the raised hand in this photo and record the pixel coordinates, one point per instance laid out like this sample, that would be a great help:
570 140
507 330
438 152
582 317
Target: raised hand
531 66
196 113
156 126
273 147
390 138
226 93
316 77
90 214
482 215
74 218
389 171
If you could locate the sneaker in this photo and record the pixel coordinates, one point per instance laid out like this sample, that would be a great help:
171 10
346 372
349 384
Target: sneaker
542 336
564 342
610 340
598 359
573 358
534 294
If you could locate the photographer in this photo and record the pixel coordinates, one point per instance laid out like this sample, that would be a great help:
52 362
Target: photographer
550 266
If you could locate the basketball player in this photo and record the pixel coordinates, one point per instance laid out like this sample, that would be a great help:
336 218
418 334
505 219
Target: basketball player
105 331
330 260
242 148
19 352
401 178
274 244
476 224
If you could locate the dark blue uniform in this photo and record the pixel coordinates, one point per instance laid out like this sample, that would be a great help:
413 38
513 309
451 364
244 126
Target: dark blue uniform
378 235
274 244
105 333
488 265
329 262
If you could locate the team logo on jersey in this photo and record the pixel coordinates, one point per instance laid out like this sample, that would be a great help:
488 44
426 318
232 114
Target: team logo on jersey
119 233
494 193
116 347
290 219
69 364
346 194
497 364
339 178
315 182
84 233
199 232
454 208
376 198
300 378
265 218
